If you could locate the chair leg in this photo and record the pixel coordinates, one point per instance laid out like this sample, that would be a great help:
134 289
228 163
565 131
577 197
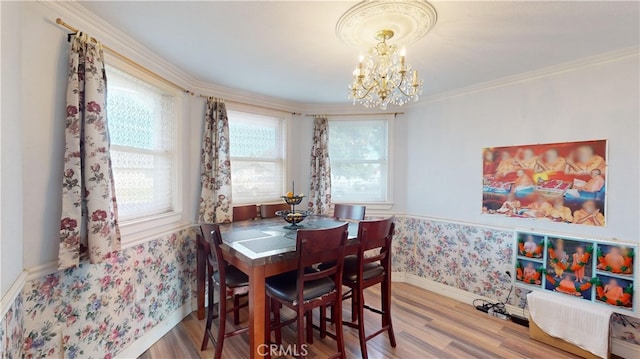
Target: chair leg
323 321
386 308
275 308
222 320
361 334
301 331
236 313
336 313
309 317
207 328
354 306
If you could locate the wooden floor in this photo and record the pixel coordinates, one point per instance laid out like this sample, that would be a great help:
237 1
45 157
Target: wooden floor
427 325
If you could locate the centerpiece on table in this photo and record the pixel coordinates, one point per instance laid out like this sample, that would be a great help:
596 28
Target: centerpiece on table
293 216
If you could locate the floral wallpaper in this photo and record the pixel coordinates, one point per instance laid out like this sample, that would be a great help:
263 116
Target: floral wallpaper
11 330
474 259
95 311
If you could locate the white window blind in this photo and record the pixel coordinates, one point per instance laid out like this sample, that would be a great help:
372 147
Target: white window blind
258 158
142 129
358 150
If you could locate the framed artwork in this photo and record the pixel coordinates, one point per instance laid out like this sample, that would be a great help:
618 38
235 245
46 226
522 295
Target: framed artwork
560 182
615 259
530 245
614 291
569 267
529 272
587 269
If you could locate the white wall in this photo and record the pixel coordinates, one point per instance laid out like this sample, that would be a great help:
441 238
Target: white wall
11 188
445 139
44 72
301 135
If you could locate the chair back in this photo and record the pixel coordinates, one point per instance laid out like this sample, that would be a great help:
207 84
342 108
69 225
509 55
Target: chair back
348 211
213 238
243 213
315 246
376 234
269 210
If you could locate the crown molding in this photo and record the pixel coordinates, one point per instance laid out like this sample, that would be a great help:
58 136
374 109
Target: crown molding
83 19
202 88
569 66
80 17
611 56
342 108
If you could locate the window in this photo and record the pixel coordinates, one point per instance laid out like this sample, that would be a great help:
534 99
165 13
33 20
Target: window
358 152
142 128
258 162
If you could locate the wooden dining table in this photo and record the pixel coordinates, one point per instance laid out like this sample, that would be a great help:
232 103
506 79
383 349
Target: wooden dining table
261 249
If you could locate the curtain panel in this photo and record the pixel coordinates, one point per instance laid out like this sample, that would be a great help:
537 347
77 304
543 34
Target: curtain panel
215 164
89 222
320 191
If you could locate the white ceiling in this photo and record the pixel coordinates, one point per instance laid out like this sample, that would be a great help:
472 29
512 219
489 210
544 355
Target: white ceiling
289 50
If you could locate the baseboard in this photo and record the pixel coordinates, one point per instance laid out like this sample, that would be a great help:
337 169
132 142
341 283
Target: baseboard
624 349
10 297
145 342
448 291
398 277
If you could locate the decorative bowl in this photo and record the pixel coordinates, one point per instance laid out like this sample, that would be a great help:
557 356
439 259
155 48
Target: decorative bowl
292 201
293 217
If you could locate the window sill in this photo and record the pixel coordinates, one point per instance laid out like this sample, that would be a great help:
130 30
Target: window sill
141 230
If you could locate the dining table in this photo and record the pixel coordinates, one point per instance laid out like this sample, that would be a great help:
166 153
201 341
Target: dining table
261 248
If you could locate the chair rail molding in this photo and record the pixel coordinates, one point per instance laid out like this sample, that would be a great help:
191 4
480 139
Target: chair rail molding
14 291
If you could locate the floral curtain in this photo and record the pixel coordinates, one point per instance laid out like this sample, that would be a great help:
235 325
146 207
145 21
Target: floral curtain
89 224
320 192
215 158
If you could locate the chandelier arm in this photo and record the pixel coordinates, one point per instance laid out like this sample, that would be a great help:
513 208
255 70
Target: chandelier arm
404 93
367 93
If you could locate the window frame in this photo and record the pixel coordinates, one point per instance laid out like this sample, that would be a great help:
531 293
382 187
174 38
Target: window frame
388 203
137 230
286 119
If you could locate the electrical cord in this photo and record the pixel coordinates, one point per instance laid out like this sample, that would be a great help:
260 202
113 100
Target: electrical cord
499 308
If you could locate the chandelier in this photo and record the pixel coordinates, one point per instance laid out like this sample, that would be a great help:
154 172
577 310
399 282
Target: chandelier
384 77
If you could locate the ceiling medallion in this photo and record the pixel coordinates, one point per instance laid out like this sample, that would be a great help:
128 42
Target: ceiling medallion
410 20
384 77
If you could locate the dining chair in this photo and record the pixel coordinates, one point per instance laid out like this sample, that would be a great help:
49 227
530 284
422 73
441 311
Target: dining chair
348 211
269 210
363 271
230 281
342 212
308 288
243 213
